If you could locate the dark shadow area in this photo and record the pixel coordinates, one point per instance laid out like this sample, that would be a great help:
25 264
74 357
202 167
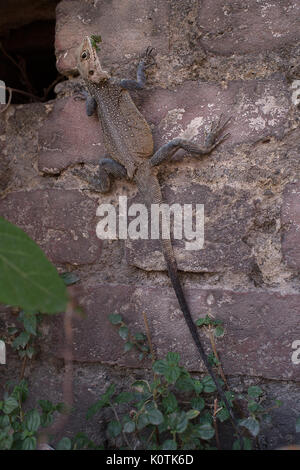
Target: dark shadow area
28 63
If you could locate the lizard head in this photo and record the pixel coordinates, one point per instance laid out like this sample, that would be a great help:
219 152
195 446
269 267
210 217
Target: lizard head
88 63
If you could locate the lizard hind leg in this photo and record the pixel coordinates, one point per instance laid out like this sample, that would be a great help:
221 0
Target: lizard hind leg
212 140
108 168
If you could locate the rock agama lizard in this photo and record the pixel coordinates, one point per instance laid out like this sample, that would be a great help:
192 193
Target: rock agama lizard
129 143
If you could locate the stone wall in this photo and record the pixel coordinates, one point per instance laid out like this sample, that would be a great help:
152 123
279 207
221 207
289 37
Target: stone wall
239 59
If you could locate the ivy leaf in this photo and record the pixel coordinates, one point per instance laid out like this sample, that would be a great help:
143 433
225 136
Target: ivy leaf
255 391
124 397
198 403
204 431
115 319
114 428
29 322
104 401
178 421
21 340
29 443
70 278
169 403
129 426
168 369
219 331
191 414
247 444
27 278
32 420
155 416
251 424
64 444
128 346
9 405
209 384
169 444
123 332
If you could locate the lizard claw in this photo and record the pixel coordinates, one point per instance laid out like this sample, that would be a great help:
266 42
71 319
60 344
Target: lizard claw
213 137
148 57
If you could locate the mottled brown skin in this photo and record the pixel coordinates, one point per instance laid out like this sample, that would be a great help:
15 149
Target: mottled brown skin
129 143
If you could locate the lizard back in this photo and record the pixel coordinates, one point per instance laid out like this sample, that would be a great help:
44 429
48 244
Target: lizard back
127 135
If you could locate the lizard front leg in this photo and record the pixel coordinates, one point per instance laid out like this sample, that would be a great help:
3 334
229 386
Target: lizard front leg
90 102
140 81
213 139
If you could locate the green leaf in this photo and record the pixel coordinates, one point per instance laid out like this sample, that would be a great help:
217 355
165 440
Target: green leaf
160 366
191 414
198 386
129 426
128 346
140 337
169 403
46 406
27 278
251 424
169 444
155 416
10 404
29 443
69 278
115 319
173 358
205 431
32 420
255 391
204 321
114 428
223 414
21 340
168 369
253 406
95 39
102 402
142 421
247 444
198 403
123 332
178 421
298 424
141 386
124 397
209 384
64 444
185 383
29 321
219 331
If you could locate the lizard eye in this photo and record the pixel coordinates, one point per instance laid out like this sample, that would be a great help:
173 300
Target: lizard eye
85 55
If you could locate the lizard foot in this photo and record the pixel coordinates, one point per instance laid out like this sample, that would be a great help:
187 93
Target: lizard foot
148 58
214 137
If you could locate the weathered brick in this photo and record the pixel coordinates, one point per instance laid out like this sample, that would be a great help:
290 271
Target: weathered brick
69 137
128 23
257 342
290 218
228 215
259 108
62 222
248 27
